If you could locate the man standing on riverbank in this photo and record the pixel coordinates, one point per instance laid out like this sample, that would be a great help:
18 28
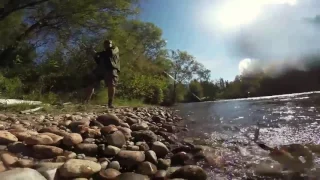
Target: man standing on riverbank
108 67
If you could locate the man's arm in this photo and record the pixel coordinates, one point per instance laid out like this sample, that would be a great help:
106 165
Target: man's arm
96 57
115 50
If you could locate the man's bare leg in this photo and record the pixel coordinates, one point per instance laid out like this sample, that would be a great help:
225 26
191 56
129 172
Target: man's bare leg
111 92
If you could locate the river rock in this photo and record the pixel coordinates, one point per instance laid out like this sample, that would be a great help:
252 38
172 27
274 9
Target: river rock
39 139
116 139
25 163
131 157
132 176
72 139
109 174
158 119
123 124
87 149
92 133
126 131
49 174
147 168
140 126
43 151
143 146
114 165
151 157
145 135
160 175
179 158
190 172
108 119
160 149
268 169
131 121
8 159
56 138
164 163
108 129
111 150
22 173
54 130
23 135
75 126
6 137
74 168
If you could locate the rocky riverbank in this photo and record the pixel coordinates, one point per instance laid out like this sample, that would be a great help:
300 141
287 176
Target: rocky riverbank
122 144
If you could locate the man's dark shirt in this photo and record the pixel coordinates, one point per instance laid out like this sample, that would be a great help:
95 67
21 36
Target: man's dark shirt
108 59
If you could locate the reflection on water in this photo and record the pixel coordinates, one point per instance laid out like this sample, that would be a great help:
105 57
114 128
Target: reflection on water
226 125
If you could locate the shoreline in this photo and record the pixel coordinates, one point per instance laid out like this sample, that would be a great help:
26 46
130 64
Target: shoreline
122 143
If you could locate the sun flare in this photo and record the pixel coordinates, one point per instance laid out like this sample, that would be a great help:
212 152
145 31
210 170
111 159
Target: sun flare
240 12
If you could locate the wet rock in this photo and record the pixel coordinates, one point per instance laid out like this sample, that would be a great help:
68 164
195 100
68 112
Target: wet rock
181 148
116 139
114 165
268 169
104 164
160 149
108 129
23 135
179 158
160 175
147 168
48 165
56 138
140 126
8 159
39 139
60 159
143 146
164 163
70 154
72 139
109 174
87 149
44 151
171 138
132 176
126 132
22 173
145 135
74 168
151 157
108 119
6 137
190 172
130 157
111 150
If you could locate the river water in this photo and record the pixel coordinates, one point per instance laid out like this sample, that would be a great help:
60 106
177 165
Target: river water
227 127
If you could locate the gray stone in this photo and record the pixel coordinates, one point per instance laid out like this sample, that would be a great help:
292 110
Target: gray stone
116 139
151 157
140 126
147 168
190 172
21 173
108 119
114 165
111 150
74 168
132 176
160 149
145 135
87 149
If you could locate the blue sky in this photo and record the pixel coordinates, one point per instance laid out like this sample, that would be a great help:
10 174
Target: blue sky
193 26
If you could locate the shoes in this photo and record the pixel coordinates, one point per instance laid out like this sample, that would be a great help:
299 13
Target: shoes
110 104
